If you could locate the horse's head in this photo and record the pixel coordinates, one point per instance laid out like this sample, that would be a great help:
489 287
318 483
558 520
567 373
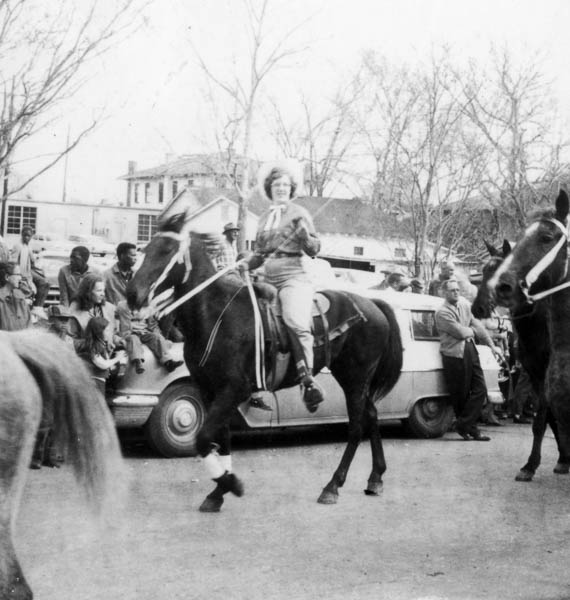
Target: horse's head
175 257
485 301
539 261
166 262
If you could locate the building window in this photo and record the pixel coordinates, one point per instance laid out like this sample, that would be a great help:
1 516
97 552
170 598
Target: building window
136 192
191 183
358 251
146 192
174 188
147 227
21 216
399 253
160 192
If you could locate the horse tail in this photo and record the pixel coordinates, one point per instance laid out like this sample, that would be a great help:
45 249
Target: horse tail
390 365
82 422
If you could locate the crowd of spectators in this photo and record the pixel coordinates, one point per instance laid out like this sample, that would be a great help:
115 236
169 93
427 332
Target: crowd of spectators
107 334
92 314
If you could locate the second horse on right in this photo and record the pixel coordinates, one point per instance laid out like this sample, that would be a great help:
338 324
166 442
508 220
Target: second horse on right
532 280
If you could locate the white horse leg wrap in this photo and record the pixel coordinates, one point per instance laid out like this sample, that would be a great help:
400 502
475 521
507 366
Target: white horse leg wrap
213 465
226 462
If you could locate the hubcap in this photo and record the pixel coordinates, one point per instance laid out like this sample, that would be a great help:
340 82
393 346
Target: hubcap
183 417
431 409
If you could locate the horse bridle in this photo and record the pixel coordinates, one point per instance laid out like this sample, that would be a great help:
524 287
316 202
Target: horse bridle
543 264
164 305
181 256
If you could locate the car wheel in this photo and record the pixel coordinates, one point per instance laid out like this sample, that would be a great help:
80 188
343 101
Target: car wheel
430 417
174 423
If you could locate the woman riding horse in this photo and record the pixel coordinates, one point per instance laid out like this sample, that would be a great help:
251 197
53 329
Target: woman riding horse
218 313
286 235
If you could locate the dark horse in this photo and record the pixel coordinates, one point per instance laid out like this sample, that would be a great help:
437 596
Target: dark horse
533 323
366 359
42 376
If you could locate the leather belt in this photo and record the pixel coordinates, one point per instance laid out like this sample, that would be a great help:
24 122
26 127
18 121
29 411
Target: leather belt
285 254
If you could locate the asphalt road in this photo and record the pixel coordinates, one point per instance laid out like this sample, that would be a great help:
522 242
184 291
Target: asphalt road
451 524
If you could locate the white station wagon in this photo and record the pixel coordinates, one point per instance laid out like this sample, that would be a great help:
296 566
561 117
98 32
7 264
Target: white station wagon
170 407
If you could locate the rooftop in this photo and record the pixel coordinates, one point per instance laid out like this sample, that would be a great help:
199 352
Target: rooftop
192 165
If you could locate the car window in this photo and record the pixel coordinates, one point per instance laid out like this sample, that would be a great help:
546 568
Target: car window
423 325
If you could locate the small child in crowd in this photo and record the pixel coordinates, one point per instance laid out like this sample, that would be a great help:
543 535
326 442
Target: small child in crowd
137 329
95 351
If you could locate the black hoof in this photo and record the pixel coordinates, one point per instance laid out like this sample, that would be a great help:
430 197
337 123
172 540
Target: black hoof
327 498
373 492
374 488
524 476
561 468
211 504
228 482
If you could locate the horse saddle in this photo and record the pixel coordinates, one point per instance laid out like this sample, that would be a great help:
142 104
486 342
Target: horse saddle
276 334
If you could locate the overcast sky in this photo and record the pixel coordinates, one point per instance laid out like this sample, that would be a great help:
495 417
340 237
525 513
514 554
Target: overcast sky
152 93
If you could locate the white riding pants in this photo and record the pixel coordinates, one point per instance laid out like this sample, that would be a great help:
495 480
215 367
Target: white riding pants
296 291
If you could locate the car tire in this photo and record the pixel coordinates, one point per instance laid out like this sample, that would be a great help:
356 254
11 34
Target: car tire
430 417
174 423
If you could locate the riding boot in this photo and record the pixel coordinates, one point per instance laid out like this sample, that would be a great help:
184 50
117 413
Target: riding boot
39 449
313 393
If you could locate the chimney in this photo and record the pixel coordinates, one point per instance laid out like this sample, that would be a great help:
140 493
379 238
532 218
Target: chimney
131 168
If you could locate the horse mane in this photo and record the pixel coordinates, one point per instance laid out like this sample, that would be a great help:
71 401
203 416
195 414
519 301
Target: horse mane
173 223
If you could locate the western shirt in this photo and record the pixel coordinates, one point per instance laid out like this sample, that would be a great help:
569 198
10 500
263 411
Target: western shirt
227 257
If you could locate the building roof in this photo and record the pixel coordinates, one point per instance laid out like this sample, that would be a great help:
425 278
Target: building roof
192 165
334 215
344 216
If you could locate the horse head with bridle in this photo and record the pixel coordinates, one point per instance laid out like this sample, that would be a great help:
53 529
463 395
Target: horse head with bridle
218 315
532 281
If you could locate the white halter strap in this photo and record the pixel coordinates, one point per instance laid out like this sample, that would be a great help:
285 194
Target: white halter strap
181 256
543 264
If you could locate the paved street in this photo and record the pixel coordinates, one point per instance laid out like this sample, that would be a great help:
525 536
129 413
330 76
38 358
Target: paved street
451 524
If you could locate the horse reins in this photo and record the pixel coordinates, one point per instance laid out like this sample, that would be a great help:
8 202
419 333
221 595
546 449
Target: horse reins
183 256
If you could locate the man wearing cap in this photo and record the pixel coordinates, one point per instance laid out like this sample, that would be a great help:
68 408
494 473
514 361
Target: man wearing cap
228 255
417 286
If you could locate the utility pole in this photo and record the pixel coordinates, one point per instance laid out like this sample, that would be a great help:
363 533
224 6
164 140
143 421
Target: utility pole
4 199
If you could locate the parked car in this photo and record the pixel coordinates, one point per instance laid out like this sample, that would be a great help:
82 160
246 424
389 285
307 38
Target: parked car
170 407
50 241
97 245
